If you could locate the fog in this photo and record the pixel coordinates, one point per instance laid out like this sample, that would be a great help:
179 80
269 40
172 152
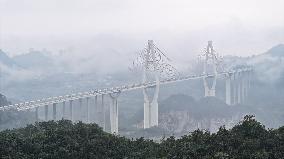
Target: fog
181 28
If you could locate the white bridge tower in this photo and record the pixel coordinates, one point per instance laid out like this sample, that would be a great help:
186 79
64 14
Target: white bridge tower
210 60
151 107
154 64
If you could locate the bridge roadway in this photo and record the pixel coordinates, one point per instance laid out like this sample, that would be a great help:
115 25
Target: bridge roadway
98 92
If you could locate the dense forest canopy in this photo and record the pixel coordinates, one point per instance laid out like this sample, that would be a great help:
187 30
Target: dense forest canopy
64 139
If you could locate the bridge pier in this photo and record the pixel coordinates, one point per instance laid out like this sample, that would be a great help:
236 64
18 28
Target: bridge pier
114 113
96 111
239 89
249 79
80 118
243 80
151 112
36 114
54 111
146 114
102 117
234 96
88 110
154 113
64 110
46 112
71 109
228 89
246 84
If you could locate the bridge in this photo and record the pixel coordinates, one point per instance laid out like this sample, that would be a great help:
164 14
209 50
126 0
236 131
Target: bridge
156 71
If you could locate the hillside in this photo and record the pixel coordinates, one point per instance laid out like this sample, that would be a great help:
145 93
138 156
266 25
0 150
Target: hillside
276 51
13 119
33 59
6 60
180 114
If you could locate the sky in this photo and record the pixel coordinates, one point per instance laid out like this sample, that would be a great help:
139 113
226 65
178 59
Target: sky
179 27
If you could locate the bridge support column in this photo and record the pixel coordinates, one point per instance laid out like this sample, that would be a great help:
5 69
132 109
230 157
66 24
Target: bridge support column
234 87
36 114
88 110
146 114
151 114
46 112
239 88
151 110
96 111
54 111
114 113
249 79
246 85
103 114
63 110
228 89
154 113
71 109
243 80
80 118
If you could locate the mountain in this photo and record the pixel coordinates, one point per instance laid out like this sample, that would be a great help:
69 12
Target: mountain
6 60
276 51
3 100
33 59
179 114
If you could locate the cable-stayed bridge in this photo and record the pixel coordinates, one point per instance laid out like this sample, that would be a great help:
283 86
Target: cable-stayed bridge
156 71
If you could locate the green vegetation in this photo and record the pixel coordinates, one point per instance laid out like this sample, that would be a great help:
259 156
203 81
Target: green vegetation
63 139
12 118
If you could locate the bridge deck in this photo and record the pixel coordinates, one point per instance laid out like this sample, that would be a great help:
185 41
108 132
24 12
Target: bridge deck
97 92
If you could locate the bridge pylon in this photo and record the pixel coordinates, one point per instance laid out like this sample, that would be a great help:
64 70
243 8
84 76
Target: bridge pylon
155 66
151 66
210 59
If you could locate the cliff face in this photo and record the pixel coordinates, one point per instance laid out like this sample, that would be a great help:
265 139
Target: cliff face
3 100
180 114
182 122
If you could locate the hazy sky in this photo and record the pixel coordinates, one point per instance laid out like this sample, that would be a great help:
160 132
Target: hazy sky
182 27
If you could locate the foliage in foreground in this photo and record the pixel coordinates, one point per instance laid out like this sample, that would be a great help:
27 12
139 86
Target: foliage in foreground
62 139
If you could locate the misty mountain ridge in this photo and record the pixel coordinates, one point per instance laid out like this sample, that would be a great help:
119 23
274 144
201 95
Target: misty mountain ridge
33 59
6 60
66 71
68 62
276 51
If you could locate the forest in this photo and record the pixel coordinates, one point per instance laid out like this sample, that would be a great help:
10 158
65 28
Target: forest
64 139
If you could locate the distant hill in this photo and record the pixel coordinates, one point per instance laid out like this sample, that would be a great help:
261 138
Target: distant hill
205 107
177 102
33 59
3 100
277 51
5 59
